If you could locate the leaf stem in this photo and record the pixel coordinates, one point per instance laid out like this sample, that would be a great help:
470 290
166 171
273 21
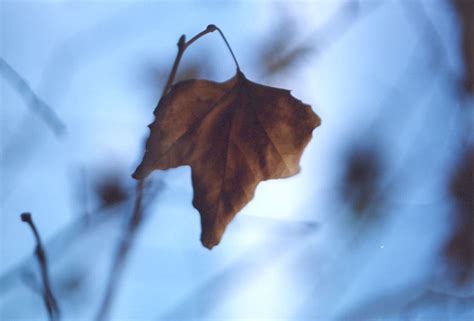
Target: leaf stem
183 45
227 44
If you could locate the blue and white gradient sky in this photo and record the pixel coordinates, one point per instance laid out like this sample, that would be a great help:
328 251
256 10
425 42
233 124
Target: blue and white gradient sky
295 252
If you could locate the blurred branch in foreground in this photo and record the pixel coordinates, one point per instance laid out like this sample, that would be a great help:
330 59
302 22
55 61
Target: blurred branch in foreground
38 106
465 11
145 193
460 248
278 55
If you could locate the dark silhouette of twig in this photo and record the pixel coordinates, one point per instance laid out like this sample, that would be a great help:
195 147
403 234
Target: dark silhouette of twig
36 104
60 243
48 297
87 222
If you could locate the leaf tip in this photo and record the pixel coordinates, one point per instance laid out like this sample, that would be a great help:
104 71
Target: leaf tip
139 173
209 240
207 246
317 120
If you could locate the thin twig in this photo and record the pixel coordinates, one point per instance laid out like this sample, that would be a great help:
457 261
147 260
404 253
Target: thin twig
183 45
47 114
48 297
62 241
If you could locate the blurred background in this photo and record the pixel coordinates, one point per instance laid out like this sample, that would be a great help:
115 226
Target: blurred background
379 224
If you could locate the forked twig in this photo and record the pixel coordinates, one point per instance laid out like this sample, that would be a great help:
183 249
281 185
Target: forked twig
183 45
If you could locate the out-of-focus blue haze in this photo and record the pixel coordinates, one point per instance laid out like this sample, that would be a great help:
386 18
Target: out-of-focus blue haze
359 234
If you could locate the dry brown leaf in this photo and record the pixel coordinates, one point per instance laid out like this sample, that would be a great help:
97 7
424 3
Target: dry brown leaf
233 135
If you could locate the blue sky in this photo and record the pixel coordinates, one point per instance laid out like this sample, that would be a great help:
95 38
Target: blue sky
86 60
